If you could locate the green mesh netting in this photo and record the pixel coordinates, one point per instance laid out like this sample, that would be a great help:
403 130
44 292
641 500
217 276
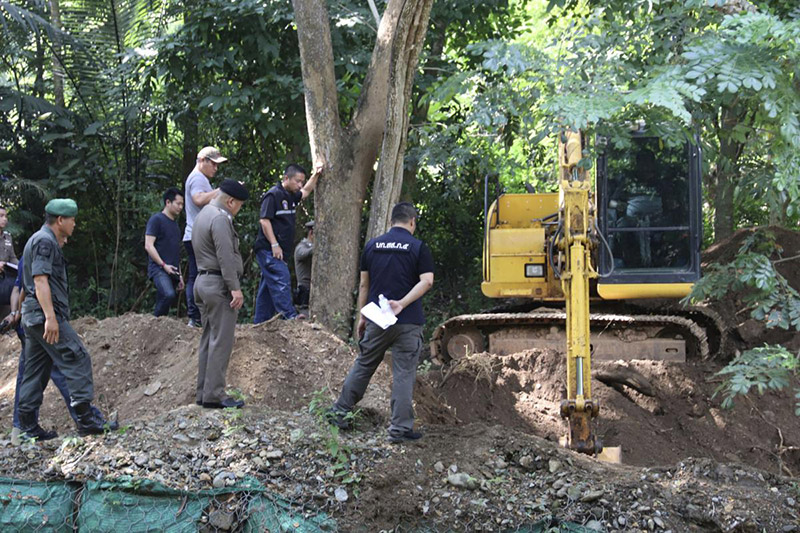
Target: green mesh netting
28 506
140 505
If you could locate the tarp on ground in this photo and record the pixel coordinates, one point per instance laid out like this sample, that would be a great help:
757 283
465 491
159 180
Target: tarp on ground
142 505
138 506
30 506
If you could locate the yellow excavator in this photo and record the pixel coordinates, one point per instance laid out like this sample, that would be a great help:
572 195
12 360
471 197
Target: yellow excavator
635 234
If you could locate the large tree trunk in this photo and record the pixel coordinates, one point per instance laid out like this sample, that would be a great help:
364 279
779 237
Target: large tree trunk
389 178
349 153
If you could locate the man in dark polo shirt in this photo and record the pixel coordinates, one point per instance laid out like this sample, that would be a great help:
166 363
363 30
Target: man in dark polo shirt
399 267
162 241
275 242
49 337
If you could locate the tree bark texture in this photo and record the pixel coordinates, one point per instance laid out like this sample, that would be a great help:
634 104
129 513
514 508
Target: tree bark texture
349 152
389 178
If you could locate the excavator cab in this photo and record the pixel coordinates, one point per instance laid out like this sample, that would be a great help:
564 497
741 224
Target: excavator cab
649 214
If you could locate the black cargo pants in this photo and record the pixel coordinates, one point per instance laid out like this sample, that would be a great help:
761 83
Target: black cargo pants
405 340
71 357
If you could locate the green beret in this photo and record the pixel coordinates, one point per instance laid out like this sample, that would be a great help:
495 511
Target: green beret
61 207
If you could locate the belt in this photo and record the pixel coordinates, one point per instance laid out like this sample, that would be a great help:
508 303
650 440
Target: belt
213 272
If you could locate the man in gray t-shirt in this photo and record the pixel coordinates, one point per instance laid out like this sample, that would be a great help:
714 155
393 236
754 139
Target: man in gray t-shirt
198 193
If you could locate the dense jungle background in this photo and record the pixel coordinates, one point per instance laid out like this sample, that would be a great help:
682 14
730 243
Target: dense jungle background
109 101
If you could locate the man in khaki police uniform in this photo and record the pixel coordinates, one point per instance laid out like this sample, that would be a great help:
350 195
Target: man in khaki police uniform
49 337
217 291
7 257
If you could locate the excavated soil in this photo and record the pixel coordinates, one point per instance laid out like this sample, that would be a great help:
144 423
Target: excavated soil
489 459
786 256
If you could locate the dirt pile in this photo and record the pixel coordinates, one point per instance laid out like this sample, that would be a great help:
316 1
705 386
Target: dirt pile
145 365
677 419
488 460
786 255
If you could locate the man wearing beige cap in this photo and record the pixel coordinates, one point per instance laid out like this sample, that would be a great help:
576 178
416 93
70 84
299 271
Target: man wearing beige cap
198 193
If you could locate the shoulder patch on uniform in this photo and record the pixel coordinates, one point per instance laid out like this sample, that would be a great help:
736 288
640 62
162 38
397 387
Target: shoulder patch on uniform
44 248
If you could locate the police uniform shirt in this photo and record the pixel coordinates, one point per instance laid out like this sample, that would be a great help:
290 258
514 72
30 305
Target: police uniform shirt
43 257
216 245
7 248
279 206
302 262
395 261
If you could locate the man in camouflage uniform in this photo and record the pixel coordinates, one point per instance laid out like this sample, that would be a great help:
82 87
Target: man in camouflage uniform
217 291
49 337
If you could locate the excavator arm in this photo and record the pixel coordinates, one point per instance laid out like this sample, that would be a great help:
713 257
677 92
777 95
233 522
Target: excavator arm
576 218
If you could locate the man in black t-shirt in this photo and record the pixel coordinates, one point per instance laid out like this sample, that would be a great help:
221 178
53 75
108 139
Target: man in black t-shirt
162 241
275 240
400 268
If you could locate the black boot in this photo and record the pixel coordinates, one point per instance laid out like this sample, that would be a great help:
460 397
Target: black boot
29 427
88 423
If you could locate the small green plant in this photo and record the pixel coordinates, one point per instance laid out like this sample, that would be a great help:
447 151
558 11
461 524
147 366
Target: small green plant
124 429
236 394
764 368
338 451
424 367
233 419
71 442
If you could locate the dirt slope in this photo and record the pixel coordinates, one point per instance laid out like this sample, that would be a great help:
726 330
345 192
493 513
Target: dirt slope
689 465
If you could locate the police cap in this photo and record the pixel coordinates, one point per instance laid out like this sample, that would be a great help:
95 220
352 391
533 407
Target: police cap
234 188
61 207
309 225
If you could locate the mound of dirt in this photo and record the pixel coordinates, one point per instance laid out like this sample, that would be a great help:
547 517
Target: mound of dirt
677 419
787 262
488 460
144 365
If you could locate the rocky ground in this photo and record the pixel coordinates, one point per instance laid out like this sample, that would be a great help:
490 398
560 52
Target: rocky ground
489 460
468 478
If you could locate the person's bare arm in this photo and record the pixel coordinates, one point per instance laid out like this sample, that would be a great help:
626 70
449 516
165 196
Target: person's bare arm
14 303
311 184
417 291
266 227
202 198
150 246
42 283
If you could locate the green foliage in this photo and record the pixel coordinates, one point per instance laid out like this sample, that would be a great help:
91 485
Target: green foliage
764 368
338 450
753 276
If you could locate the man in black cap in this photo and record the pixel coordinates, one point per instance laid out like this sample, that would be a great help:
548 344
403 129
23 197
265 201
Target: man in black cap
49 337
217 291
303 254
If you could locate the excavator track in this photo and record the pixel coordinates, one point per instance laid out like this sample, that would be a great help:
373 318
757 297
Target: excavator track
614 336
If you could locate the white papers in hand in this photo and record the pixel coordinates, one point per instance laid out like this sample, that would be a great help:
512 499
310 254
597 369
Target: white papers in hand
382 318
